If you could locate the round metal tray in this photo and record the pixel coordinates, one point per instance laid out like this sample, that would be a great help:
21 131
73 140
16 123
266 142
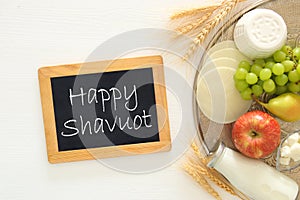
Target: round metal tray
289 10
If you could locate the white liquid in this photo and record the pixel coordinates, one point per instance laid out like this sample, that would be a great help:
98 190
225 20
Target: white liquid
254 178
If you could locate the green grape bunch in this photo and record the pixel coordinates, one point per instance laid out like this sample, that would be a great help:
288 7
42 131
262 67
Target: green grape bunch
278 74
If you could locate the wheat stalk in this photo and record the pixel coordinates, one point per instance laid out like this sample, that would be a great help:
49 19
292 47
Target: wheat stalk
210 174
205 18
193 12
218 180
193 25
196 150
224 9
201 181
196 166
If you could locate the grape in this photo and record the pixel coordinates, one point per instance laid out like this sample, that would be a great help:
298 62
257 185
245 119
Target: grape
270 59
269 64
241 73
245 64
251 78
247 94
296 53
281 89
255 68
288 65
241 85
272 92
260 62
281 80
279 56
298 68
269 85
278 69
260 82
294 87
294 76
257 90
234 78
275 75
265 74
287 49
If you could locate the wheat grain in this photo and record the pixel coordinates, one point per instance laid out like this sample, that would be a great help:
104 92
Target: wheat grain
203 159
196 149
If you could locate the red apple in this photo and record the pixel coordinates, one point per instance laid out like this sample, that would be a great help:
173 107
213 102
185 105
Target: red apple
256 134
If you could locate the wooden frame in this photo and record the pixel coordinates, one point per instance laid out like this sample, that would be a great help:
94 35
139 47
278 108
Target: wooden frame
56 156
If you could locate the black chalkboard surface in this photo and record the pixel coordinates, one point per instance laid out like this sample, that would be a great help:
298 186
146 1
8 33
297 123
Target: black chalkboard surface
110 110
120 112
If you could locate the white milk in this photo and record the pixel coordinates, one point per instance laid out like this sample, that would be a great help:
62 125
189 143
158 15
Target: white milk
252 177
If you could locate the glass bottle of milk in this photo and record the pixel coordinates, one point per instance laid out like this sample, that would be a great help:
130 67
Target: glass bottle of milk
253 177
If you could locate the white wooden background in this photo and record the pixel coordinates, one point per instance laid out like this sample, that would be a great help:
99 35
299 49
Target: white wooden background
51 32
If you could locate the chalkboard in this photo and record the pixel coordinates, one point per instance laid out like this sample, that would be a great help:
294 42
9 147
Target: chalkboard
104 109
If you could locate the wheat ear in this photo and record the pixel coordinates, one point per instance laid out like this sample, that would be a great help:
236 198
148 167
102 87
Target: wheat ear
201 166
225 8
193 12
196 165
193 25
200 179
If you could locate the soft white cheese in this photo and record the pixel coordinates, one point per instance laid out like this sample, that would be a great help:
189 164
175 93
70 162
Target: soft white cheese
285 143
259 33
285 160
295 152
285 151
293 139
290 149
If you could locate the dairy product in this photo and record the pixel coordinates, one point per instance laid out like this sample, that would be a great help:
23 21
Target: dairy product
253 177
259 33
290 149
